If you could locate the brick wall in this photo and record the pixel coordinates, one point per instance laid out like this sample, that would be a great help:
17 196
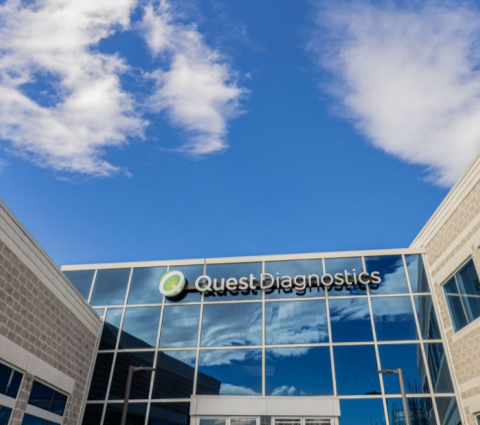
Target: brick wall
456 239
33 318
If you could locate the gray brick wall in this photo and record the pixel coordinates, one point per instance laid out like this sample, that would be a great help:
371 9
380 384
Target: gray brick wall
33 317
459 232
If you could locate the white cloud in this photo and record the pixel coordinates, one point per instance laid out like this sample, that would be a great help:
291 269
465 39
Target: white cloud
284 390
198 90
54 40
230 389
408 77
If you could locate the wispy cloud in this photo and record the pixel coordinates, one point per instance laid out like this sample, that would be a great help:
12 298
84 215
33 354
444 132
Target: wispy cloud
198 89
407 74
50 44
62 104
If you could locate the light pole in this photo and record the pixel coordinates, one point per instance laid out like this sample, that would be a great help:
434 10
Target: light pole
402 389
131 370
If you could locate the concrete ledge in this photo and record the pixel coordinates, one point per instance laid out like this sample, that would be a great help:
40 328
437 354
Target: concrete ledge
264 406
20 358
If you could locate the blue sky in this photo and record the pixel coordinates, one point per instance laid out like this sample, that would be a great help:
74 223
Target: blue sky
134 130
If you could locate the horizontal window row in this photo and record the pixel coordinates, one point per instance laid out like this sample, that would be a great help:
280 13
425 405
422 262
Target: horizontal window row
110 286
293 322
47 398
353 412
288 371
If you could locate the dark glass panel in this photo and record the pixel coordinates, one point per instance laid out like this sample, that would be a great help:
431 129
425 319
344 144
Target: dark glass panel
5 413
350 320
111 327
169 414
136 414
340 265
33 420
448 411
230 372
10 380
101 375
82 280
392 274
417 273
439 371
356 370
457 312
141 380
294 268
286 322
110 287
362 412
174 374
93 414
409 358
140 327
180 326
394 319
144 285
191 274
451 287
420 411
468 280
298 371
427 317
47 398
236 270
232 324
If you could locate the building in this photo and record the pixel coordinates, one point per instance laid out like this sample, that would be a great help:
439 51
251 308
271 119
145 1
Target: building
278 340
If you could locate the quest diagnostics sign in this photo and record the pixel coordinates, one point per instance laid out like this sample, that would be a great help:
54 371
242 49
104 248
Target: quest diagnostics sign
173 283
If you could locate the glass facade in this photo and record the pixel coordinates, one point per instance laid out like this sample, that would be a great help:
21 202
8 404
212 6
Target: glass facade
321 341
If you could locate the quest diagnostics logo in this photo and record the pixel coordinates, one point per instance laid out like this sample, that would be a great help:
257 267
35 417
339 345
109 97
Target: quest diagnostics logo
172 283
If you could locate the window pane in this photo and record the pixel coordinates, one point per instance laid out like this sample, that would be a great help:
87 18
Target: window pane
180 326
417 273
243 421
140 327
439 372
93 414
420 411
111 328
340 265
448 411
136 414
144 286
10 380
286 322
174 374
230 372
350 320
356 377
292 269
100 312
472 305
457 312
212 421
82 280
110 287
393 317
101 375
427 317
468 279
232 324
409 358
298 371
392 273
5 414
169 414
47 398
362 412
236 270
141 380
191 274
451 287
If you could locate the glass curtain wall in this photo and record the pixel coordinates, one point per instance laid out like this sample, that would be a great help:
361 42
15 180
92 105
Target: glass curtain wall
271 343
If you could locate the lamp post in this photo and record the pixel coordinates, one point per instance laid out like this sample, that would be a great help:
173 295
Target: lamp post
402 389
131 371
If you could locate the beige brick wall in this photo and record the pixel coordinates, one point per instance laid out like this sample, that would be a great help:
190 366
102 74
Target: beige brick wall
33 318
455 240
